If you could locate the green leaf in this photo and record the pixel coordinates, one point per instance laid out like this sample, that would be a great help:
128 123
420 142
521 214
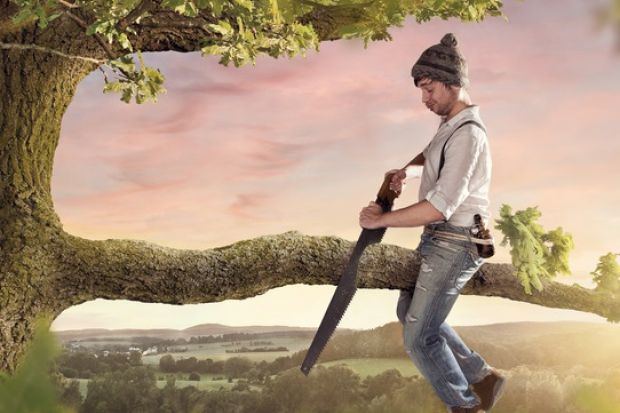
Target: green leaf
124 42
213 50
223 27
536 255
113 87
124 64
246 4
22 16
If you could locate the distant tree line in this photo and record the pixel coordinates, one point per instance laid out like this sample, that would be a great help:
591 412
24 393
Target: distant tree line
86 364
231 337
257 349
233 367
339 390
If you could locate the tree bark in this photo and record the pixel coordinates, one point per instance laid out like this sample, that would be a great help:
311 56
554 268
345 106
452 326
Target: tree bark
141 271
44 270
36 90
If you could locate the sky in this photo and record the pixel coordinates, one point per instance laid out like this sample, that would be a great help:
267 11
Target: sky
229 154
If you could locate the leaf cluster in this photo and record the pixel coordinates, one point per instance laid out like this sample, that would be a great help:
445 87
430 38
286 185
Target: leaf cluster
536 255
37 11
240 30
145 83
607 273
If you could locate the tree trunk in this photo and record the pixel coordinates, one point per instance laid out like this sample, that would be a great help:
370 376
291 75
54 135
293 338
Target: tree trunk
36 90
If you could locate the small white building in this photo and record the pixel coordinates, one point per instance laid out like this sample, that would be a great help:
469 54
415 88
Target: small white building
150 350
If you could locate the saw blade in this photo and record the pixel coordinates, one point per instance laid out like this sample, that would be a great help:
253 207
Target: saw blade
347 285
341 299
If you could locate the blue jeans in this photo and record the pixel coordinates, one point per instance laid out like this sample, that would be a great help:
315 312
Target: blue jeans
433 346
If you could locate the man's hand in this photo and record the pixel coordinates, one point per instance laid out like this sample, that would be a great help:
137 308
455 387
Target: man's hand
397 183
370 216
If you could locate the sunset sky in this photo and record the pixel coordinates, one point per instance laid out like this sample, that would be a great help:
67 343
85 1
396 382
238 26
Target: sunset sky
229 154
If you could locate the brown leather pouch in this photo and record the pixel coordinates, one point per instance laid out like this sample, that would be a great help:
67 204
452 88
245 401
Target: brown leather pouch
480 232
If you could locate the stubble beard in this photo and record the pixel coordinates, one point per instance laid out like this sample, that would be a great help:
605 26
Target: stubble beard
440 110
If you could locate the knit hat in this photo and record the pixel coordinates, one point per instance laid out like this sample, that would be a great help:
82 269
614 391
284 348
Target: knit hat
442 62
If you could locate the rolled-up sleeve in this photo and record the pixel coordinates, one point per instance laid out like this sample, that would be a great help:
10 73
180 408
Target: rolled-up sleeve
461 156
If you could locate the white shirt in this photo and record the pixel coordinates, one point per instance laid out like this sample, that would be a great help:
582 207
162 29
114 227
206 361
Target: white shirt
463 186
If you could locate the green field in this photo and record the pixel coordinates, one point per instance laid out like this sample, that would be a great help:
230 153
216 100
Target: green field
373 366
217 351
212 382
209 382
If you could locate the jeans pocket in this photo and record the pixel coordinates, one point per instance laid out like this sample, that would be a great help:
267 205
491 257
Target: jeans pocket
447 246
471 264
476 259
462 279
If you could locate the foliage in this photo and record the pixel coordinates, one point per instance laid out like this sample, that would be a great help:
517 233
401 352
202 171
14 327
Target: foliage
132 390
539 361
536 255
607 273
83 364
595 399
30 389
383 384
337 389
241 30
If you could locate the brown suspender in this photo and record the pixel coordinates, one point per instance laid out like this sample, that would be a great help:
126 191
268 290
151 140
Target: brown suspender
442 160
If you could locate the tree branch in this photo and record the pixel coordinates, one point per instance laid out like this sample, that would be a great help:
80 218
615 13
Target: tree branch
141 271
68 5
143 7
46 50
84 26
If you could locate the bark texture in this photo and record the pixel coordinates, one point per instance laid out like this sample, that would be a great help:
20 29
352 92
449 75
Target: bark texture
142 271
44 270
36 88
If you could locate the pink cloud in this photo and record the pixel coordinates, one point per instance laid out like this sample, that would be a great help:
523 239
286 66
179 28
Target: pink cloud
247 206
233 141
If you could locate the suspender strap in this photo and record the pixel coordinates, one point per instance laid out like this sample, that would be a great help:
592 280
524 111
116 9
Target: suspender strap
442 160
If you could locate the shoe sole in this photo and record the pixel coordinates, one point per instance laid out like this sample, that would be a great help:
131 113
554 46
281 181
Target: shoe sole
498 391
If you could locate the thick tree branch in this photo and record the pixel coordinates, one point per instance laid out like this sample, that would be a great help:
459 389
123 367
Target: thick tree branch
143 7
164 30
84 26
136 270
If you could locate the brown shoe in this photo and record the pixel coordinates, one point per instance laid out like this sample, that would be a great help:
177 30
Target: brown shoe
490 389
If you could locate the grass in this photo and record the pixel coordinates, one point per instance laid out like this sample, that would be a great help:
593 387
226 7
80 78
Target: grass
362 366
216 351
374 366
207 382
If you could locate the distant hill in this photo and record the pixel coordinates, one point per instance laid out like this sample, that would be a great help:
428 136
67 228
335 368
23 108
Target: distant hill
507 345
167 334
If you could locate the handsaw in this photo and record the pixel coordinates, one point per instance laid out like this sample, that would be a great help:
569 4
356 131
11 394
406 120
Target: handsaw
347 285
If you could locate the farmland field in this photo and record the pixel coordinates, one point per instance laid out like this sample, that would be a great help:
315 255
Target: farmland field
217 351
373 366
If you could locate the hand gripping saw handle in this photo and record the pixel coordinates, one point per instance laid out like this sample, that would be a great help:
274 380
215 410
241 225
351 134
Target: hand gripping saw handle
347 285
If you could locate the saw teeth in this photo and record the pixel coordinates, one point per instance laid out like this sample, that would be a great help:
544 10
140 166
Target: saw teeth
313 356
347 286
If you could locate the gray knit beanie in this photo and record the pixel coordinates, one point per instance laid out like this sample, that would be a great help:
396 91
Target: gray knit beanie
442 62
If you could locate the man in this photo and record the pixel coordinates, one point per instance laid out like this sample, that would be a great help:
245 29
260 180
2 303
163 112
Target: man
454 187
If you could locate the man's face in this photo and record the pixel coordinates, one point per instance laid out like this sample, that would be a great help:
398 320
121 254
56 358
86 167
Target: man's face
438 97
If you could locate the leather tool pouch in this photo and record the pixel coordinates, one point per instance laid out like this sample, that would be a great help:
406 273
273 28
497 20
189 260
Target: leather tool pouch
480 232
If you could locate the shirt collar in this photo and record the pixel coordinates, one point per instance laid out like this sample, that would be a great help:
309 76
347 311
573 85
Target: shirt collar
470 112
